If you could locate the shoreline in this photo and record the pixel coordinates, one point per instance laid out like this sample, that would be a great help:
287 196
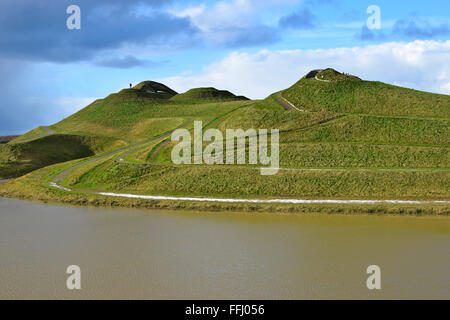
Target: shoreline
281 200
195 211
103 201
35 186
245 200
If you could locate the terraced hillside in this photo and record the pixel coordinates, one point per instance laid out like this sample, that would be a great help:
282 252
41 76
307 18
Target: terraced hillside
341 138
119 120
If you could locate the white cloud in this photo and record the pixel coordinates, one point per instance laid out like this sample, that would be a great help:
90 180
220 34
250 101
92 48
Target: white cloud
220 21
422 65
221 16
231 13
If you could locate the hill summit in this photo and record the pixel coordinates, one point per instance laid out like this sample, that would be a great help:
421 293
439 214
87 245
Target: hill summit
329 74
208 94
154 87
327 90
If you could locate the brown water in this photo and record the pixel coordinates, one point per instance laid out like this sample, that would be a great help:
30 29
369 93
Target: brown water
151 254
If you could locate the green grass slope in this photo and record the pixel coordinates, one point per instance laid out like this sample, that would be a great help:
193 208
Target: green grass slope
32 133
380 151
123 118
340 137
138 114
155 87
207 95
18 159
115 114
349 94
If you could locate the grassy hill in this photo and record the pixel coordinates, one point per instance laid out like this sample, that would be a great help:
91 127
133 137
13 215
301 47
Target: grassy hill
138 114
340 138
155 87
207 94
349 94
124 118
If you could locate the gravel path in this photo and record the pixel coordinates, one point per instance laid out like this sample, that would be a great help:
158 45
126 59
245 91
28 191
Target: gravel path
47 132
286 104
321 79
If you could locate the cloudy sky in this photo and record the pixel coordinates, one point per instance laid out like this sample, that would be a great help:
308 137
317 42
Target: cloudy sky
251 47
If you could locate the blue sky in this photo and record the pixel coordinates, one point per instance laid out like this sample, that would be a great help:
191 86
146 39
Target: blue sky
252 47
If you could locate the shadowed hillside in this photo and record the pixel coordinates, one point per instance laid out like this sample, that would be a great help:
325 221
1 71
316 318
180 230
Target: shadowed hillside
20 158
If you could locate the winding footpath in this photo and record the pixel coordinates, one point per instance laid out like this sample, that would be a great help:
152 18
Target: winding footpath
321 79
57 180
47 132
291 201
289 105
59 177
286 104
238 200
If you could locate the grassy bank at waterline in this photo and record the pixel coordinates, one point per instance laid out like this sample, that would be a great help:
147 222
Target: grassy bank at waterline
36 186
336 142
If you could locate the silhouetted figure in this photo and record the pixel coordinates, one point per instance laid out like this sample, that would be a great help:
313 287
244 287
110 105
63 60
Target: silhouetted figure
130 85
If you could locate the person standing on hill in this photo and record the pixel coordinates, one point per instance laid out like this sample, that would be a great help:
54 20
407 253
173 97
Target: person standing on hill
130 85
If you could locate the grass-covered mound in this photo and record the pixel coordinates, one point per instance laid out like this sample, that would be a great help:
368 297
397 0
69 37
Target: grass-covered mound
124 105
30 134
122 115
208 95
340 138
155 87
139 95
327 140
347 94
331 75
141 112
20 158
138 120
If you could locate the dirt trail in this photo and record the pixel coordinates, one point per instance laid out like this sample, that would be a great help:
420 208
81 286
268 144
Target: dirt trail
321 79
286 104
62 175
294 201
55 182
47 132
